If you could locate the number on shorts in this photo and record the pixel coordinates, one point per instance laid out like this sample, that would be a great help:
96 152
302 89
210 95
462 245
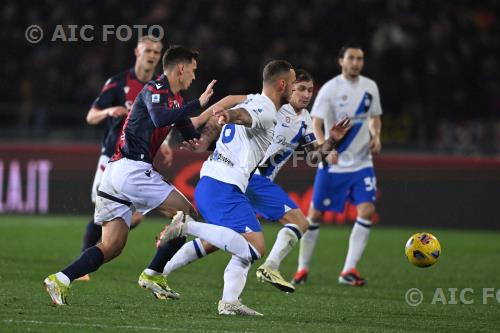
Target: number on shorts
370 183
228 133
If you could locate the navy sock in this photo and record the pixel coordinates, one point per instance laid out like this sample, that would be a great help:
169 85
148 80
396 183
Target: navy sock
165 253
92 235
89 261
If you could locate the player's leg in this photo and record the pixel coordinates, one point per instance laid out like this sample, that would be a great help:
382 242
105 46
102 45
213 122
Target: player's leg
235 276
152 278
114 238
225 209
93 232
136 220
188 253
273 203
363 194
321 201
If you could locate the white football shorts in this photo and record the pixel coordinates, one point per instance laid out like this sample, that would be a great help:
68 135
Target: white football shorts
127 186
101 166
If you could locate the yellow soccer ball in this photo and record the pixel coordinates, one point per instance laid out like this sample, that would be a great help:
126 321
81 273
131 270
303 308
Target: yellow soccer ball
423 249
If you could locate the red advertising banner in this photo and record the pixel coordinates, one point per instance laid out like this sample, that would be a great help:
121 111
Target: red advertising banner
418 190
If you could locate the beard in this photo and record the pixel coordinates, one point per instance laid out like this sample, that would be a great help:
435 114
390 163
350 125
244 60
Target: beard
284 100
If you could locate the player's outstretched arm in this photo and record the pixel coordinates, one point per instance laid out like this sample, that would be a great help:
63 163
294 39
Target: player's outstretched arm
237 116
225 103
326 151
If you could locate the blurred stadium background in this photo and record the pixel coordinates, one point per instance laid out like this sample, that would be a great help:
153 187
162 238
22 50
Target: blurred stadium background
436 64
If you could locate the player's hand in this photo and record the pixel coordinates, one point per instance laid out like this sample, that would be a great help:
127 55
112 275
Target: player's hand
195 145
221 115
117 111
339 130
166 156
332 157
375 145
207 94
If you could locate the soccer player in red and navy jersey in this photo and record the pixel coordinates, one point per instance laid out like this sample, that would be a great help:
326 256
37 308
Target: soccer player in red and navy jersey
111 108
130 182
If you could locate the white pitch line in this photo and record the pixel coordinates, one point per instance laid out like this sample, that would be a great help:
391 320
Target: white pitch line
125 327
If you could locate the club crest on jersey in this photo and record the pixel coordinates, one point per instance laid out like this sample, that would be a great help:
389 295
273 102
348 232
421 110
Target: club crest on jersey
155 98
173 103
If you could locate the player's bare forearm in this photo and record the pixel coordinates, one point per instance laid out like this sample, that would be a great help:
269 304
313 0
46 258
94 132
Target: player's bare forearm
239 116
375 126
225 103
95 116
318 130
319 152
326 151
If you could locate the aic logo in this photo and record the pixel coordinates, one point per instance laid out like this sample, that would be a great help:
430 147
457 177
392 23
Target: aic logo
28 195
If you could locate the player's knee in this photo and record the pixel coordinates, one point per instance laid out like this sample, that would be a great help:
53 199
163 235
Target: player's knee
366 211
209 248
296 217
111 250
314 214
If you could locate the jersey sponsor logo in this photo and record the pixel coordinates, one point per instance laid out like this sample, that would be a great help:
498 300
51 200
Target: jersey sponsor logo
155 98
148 173
158 86
218 157
282 124
259 110
126 89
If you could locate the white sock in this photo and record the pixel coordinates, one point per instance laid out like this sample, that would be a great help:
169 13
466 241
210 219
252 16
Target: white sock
357 242
63 278
307 244
235 277
286 239
151 272
188 253
223 238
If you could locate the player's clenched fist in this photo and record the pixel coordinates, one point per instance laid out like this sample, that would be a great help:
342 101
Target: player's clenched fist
221 115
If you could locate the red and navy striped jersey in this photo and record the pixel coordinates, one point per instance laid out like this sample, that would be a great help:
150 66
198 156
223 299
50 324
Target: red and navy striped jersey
155 111
120 90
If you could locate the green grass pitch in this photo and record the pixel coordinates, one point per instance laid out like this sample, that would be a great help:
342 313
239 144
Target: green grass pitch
33 247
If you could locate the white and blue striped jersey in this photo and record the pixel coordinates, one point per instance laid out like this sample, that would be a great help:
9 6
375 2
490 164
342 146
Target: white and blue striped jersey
291 130
240 149
340 98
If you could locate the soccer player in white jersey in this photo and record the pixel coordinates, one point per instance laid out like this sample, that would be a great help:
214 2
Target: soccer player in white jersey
352 178
220 193
293 128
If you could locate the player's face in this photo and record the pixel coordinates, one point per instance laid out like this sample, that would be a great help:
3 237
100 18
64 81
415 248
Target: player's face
187 74
148 54
302 94
352 62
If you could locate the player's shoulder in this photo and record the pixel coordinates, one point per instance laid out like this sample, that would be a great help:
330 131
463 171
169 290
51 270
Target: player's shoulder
119 78
286 109
366 81
158 86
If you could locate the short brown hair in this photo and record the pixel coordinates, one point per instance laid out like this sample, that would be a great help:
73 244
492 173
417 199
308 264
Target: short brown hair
274 69
302 75
177 54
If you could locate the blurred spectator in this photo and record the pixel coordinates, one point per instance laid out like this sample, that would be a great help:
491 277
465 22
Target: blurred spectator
436 62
